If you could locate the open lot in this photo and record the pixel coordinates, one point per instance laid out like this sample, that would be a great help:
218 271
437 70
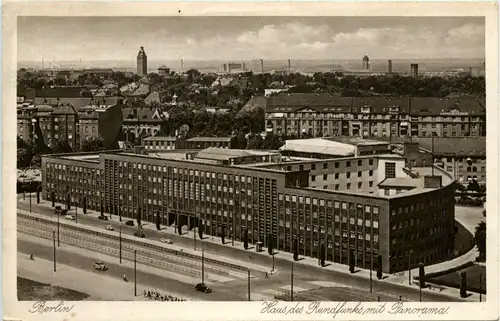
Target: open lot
452 279
29 290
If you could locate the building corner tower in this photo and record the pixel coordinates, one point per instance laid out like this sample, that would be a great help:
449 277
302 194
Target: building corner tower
142 63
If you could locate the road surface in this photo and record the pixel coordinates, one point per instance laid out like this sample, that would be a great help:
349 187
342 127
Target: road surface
305 277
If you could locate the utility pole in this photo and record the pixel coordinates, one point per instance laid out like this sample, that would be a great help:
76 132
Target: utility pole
202 263
120 244
135 272
58 239
420 293
480 287
248 285
54 243
30 201
291 285
409 268
76 212
371 265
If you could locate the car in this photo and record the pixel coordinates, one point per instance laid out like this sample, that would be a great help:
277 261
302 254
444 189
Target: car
69 217
164 240
109 228
100 266
129 223
102 217
64 212
202 287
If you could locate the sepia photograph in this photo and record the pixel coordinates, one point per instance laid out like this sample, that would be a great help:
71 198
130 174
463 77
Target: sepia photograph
241 158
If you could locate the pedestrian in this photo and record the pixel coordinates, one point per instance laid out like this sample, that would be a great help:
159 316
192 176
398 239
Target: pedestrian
267 276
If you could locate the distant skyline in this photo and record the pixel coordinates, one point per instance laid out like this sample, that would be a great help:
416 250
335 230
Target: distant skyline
244 38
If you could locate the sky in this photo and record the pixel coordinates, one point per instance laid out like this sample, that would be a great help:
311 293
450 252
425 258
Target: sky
242 38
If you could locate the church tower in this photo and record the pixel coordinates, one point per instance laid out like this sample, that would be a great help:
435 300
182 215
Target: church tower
142 63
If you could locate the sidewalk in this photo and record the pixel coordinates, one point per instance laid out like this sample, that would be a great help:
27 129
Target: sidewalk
399 279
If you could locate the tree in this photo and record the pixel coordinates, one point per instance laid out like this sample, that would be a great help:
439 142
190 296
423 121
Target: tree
245 239
379 267
84 205
61 147
158 221
421 275
463 284
223 235
138 217
93 144
351 261
38 195
480 240
200 231
473 186
179 228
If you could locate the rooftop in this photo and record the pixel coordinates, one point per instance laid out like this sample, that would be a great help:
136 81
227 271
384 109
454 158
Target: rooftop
160 138
209 139
355 141
319 146
215 153
401 182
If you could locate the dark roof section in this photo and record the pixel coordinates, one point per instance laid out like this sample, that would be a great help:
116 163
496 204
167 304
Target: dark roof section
381 105
160 138
459 146
435 105
141 114
63 92
254 103
285 102
77 103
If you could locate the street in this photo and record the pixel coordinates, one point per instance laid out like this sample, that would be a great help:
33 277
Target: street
303 274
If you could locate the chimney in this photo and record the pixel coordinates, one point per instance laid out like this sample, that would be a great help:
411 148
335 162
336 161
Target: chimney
389 67
262 65
289 65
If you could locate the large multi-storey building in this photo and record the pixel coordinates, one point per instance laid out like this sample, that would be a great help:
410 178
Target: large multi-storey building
71 119
331 115
265 193
169 142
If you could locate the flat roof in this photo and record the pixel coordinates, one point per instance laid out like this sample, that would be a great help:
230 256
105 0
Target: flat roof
319 146
356 141
85 157
401 182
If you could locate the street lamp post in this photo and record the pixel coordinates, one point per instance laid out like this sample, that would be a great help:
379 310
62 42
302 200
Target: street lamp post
76 212
120 244
273 262
58 239
248 285
202 263
54 245
135 272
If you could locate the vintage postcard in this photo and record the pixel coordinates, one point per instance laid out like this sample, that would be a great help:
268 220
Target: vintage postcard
250 161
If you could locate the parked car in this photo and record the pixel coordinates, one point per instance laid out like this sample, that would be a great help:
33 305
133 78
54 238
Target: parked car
164 240
69 217
202 287
57 210
64 212
109 228
129 223
100 266
102 217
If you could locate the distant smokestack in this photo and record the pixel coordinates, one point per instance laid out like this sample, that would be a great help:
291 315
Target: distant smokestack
182 64
414 70
262 65
389 67
289 65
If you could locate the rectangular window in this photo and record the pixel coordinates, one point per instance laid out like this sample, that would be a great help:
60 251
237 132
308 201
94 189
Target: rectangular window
313 178
336 164
390 170
325 177
370 173
313 167
348 185
325 165
370 161
360 162
348 164
348 174
360 173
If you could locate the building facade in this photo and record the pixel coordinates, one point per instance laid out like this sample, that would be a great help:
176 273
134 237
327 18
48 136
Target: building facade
235 199
319 115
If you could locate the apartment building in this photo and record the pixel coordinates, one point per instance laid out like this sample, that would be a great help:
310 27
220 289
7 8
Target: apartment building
319 115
